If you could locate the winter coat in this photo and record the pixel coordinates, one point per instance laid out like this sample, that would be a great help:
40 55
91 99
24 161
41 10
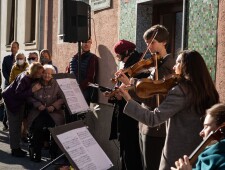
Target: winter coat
182 124
6 67
213 157
48 95
17 92
16 71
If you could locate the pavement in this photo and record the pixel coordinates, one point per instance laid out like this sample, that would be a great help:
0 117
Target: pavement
8 162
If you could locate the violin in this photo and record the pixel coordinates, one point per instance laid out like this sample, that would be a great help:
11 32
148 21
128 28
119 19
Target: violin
142 64
139 67
218 135
145 88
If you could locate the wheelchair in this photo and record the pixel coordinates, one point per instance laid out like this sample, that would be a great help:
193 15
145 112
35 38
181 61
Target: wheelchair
38 134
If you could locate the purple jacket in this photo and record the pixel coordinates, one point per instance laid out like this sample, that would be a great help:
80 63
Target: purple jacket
17 92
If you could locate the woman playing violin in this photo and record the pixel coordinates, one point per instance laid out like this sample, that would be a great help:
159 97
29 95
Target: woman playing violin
213 157
123 127
182 108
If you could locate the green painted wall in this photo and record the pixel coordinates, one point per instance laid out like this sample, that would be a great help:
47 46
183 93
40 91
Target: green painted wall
127 26
202 30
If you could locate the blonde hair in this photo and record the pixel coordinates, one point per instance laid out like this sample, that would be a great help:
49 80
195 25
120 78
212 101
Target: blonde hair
34 67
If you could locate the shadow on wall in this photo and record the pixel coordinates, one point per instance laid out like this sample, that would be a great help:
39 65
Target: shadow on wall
107 68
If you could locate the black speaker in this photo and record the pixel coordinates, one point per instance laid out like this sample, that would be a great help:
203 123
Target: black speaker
76 21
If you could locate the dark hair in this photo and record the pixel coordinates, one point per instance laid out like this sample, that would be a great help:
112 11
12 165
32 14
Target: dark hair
126 54
46 51
197 79
217 111
162 35
35 53
15 42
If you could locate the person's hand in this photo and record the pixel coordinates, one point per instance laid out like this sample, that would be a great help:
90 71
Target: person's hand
122 77
41 108
50 109
124 93
36 87
182 164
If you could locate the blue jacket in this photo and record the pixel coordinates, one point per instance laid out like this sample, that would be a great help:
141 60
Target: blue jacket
6 67
212 158
17 92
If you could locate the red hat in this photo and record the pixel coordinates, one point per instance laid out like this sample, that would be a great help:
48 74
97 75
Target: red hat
123 45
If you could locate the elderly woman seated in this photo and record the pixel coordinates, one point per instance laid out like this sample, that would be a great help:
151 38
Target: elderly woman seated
46 112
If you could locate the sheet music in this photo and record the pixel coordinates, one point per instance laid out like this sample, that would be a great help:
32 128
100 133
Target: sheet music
73 95
84 150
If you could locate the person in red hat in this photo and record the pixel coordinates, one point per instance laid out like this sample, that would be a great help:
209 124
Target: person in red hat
124 128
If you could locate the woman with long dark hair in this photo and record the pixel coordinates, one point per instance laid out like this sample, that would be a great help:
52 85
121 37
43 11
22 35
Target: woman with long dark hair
182 108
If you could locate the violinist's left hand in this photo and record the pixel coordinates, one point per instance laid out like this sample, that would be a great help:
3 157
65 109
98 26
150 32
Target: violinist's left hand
122 77
124 93
182 164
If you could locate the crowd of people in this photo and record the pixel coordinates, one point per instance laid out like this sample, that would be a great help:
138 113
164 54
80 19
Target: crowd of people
33 101
154 132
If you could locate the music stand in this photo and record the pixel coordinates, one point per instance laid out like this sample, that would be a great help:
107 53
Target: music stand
79 146
74 100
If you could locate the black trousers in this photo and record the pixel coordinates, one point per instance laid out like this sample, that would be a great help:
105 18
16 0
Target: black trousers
151 149
130 151
39 130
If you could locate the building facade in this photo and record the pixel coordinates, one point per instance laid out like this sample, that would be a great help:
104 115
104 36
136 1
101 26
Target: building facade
193 24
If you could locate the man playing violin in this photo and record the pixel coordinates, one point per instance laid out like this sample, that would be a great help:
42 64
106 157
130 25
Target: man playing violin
151 140
213 157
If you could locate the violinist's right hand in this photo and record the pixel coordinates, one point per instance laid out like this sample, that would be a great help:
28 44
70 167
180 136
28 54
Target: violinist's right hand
122 77
124 93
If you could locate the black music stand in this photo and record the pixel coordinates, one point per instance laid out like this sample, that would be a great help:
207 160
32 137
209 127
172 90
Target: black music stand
79 146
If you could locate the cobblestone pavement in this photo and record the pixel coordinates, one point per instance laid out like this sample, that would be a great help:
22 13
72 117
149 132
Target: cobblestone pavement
8 162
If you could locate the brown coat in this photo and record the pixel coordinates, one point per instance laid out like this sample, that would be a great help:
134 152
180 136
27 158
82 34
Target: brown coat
47 95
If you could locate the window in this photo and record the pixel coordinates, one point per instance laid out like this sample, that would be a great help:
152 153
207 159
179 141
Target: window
60 21
30 22
11 22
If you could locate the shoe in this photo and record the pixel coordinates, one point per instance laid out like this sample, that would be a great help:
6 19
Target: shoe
18 153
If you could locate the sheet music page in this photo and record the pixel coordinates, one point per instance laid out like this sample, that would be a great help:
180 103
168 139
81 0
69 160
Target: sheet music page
73 95
84 150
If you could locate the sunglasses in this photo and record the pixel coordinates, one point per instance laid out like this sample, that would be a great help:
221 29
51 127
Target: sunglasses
31 58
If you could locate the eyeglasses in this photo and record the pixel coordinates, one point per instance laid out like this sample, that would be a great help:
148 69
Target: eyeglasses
32 58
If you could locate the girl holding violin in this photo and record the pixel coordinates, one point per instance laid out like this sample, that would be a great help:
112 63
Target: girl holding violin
123 127
213 157
182 108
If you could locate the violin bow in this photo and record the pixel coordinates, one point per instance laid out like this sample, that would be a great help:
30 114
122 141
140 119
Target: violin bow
153 37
